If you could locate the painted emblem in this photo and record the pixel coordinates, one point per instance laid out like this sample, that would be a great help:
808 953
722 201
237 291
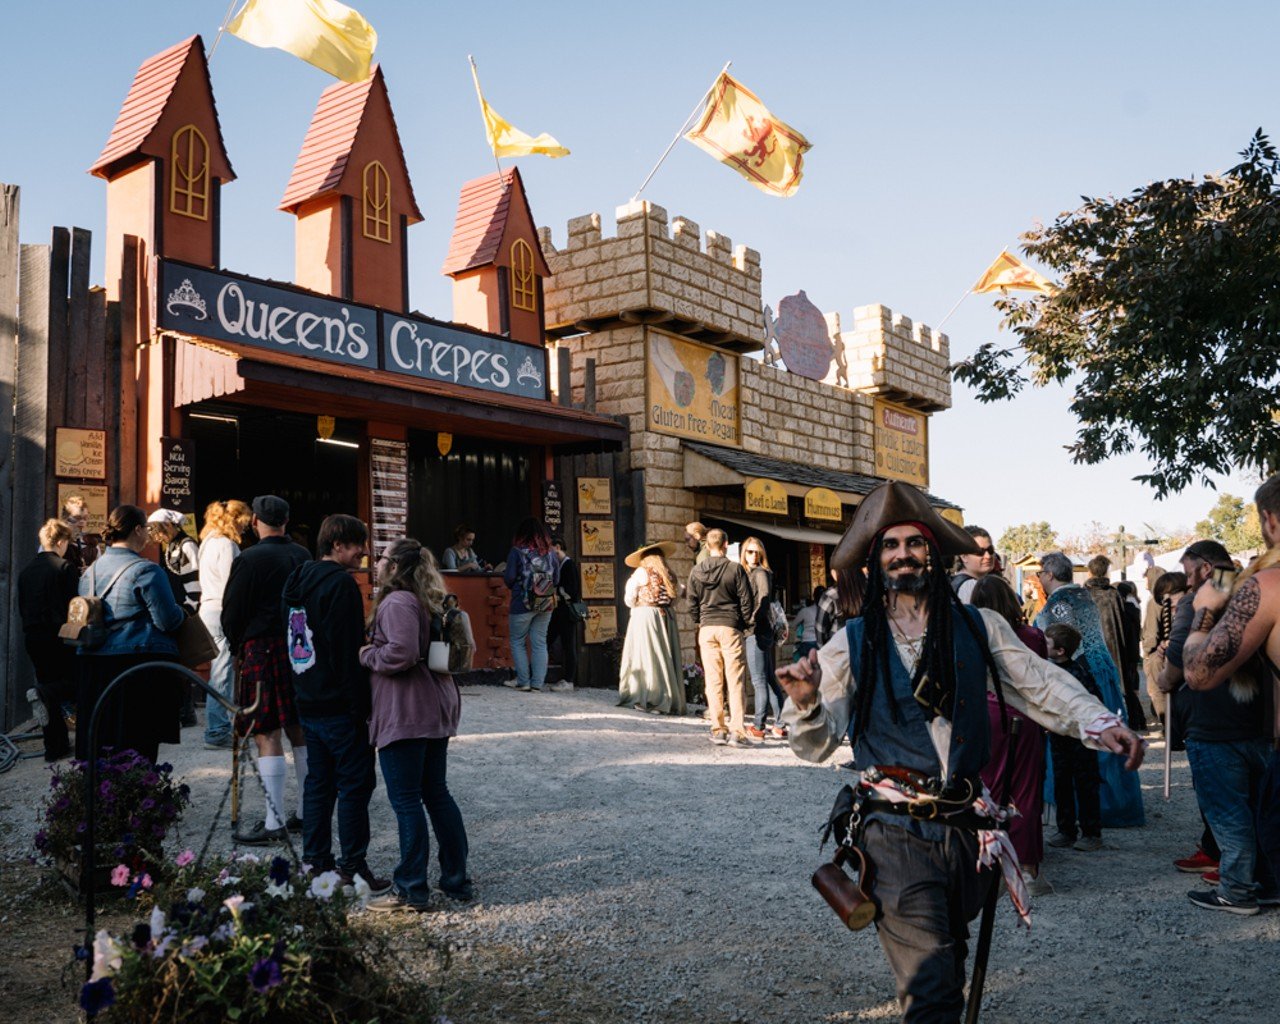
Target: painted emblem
803 340
186 299
528 373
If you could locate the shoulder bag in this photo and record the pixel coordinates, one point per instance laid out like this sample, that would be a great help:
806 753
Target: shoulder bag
195 643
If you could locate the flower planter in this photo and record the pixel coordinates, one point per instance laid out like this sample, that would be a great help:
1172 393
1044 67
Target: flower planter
68 871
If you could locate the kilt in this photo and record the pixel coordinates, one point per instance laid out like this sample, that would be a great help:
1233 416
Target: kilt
266 658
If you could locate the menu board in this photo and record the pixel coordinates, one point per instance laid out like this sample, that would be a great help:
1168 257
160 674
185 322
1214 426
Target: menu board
597 538
177 474
389 472
602 623
95 500
552 505
80 453
595 496
597 581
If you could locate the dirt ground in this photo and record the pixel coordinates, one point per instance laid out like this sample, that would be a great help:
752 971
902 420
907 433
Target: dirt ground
628 870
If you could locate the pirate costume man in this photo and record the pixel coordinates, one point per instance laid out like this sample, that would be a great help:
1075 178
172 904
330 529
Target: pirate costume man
906 682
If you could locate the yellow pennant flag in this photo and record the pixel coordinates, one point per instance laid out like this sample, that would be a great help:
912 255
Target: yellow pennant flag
738 130
333 37
505 139
1009 272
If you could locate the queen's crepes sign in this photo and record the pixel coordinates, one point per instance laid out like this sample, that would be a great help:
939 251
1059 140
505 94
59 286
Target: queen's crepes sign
232 308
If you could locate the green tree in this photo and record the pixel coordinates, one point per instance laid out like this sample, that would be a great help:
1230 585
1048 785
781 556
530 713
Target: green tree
1027 539
1234 522
1167 324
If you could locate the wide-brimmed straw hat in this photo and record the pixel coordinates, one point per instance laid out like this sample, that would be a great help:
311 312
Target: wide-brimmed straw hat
667 547
888 505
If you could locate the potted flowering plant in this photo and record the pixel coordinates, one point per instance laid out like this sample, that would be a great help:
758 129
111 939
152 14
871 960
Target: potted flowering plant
137 804
251 940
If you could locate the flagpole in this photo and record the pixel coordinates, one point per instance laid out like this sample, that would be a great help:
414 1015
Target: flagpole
968 292
475 77
226 20
683 126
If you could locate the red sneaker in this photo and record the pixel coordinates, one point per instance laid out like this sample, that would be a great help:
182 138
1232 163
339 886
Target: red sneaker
754 733
1197 864
1210 878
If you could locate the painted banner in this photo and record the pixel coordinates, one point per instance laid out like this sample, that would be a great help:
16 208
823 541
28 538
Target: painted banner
423 348
80 453
901 443
692 390
595 496
597 581
821 503
765 496
597 538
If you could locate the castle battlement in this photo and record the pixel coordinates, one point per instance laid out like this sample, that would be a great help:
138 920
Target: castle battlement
894 358
653 271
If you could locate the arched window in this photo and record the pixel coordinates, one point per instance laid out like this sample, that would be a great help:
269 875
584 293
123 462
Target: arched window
377 202
524 283
189 174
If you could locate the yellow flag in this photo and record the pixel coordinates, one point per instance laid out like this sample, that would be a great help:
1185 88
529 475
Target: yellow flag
1009 272
738 130
505 139
333 37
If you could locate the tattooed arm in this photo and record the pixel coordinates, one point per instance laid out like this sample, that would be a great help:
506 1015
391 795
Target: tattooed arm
1211 657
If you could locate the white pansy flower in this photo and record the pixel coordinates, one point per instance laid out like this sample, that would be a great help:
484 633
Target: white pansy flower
323 886
283 890
107 956
195 895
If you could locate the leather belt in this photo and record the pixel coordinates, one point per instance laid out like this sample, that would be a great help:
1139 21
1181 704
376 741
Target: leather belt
930 810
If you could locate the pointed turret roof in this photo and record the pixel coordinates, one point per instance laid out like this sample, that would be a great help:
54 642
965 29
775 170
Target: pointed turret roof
135 133
322 164
484 208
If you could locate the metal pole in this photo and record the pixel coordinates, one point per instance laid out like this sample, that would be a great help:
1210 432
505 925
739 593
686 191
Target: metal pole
226 19
475 77
685 124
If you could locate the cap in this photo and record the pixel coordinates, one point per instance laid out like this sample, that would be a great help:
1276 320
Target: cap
1210 551
166 515
271 510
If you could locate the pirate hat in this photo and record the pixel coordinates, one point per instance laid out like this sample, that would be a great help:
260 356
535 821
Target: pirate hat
667 547
888 505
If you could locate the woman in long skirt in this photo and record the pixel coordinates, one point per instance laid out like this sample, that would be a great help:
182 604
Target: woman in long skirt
650 678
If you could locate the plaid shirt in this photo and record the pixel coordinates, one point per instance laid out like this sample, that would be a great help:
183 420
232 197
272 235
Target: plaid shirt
828 620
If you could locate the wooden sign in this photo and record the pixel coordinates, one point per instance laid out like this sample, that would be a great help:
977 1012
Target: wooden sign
952 515
597 538
595 496
901 443
95 500
177 474
602 623
80 453
817 566
820 503
691 390
597 581
767 496
389 487
552 505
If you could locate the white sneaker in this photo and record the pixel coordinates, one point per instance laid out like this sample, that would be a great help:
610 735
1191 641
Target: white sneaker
564 686
511 684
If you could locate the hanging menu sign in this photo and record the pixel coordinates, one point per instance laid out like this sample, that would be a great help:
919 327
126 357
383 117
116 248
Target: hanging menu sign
177 474
389 473
80 453
552 505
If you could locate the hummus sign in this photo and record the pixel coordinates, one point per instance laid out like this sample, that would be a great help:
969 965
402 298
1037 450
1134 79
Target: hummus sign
244 311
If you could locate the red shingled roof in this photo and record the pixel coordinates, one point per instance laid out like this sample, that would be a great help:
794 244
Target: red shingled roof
145 105
483 208
327 147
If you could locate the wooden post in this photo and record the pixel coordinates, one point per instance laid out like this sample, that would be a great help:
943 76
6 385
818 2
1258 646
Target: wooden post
128 349
77 380
589 388
55 357
9 196
564 376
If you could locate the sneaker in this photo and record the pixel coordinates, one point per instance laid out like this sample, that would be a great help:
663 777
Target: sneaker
740 740
778 732
720 738
1214 900
511 684
1088 844
222 743
564 686
377 886
526 689
1269 900
1037 885
1198 863
294 824
187 719
259 835
1061 841
465 894
754 733
393 902
1210 878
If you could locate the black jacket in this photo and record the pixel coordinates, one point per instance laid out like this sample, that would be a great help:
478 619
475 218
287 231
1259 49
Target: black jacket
45 588
324 619
720 594
571 579
251 600
762 588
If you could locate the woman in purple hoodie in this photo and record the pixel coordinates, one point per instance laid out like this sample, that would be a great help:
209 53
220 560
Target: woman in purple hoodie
415 711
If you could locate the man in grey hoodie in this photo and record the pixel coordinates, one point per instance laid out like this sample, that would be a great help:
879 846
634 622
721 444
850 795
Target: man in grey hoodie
722 604
324 621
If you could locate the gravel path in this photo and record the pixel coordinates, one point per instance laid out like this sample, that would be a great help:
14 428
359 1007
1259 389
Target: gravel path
628 870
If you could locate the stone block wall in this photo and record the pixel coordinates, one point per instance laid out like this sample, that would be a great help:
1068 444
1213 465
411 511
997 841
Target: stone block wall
893 358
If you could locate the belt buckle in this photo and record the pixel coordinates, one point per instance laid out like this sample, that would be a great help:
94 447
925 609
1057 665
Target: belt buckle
917 809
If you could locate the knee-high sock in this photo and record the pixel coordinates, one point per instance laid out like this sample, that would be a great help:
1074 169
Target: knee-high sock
272 771
300 770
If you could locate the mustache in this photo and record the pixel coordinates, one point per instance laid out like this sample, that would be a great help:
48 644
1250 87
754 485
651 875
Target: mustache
909 562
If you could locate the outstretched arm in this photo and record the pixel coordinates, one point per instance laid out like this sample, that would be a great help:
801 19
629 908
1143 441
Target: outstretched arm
1214 652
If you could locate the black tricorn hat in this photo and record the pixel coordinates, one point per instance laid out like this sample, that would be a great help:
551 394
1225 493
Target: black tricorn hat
888 505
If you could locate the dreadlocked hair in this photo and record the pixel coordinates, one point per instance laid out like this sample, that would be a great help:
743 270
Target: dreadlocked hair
937 659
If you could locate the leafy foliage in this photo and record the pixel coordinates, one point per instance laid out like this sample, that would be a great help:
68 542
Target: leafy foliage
1234 522
1027 539
1167 323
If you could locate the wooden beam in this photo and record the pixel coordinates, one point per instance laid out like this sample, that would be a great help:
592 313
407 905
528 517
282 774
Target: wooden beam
9 203
55 355
97 385
128 356
77 381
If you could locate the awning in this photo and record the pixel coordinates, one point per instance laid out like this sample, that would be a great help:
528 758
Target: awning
784 530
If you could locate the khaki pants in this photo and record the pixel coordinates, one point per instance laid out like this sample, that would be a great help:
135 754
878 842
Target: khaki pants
724 660
1151 666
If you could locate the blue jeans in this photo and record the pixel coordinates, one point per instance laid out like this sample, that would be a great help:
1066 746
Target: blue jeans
1268 816
530 626
339 770
222 671
761 659
1228 779
414 771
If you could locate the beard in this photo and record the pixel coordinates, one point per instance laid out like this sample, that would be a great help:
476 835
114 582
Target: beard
911 583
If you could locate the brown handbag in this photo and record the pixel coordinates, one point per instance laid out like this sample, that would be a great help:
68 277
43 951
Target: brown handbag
195 643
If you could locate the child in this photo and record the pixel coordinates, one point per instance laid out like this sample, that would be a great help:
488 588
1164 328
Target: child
1076 779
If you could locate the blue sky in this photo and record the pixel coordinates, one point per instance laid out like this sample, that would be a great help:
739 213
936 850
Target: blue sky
940 131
